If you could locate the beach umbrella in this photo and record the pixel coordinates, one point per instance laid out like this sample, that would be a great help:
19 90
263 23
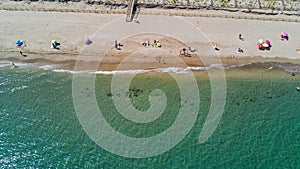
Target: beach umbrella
284 34
268 42
53 41
260 45
19 43
261 41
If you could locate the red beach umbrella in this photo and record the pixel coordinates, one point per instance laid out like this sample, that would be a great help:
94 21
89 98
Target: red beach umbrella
260 45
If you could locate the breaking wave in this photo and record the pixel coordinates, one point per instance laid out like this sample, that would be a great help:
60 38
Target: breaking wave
288 67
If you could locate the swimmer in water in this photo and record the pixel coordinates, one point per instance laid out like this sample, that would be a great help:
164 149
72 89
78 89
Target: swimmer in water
14 66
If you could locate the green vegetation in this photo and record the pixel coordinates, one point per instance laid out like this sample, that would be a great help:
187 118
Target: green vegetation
271 4
224 2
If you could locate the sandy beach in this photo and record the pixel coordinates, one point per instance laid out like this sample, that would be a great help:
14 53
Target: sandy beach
130 105
37 29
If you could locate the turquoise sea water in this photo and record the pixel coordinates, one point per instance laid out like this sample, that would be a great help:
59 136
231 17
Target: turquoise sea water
259 128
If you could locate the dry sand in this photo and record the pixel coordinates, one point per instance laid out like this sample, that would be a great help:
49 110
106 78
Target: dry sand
37 29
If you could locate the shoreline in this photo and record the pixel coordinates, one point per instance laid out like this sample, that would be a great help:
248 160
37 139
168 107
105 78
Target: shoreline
69 60
240 69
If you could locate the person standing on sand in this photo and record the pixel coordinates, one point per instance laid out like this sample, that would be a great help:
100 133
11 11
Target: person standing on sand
20 44
118 45
21 53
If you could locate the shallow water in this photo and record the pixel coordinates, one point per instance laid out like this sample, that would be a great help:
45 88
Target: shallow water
259 127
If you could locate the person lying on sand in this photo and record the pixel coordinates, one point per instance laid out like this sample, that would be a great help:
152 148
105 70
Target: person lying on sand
185 52
192 50
216 48
55 45
240 37
239 50
87 41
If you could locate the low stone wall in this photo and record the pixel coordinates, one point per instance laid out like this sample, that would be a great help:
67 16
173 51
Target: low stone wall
82 7
287 5
291 5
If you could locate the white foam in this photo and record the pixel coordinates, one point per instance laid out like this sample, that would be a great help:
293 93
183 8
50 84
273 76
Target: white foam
17 64
58 68
18 88
68 71
239 66
5 64
289 68
138 71
48 67
172 70
24 65
197 68
123 72
51 67
218 66
29 65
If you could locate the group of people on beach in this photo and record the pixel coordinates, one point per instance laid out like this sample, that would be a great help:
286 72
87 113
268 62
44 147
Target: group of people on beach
266 44
185 51
20 44
262 45
155 43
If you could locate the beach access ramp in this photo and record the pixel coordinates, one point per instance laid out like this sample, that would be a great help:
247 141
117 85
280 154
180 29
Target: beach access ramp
130 10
